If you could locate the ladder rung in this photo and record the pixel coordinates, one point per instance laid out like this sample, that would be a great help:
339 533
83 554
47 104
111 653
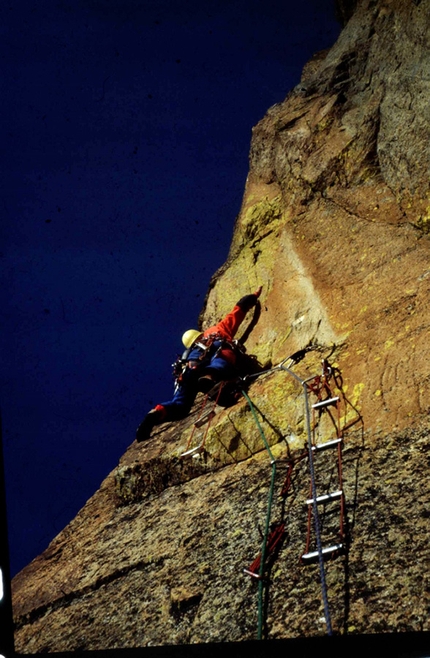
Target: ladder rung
204 419
324 403
192 451
325 551
327 444
252 574
326 498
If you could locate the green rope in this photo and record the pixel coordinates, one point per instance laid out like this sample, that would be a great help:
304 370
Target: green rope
266 530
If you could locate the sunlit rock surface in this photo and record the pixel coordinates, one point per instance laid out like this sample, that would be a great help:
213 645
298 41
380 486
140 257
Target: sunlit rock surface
335 226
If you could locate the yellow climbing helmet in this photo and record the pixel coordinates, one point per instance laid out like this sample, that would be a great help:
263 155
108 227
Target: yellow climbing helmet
190 337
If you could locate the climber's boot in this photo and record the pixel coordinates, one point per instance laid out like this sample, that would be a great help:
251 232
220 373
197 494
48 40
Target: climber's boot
206 383
152 418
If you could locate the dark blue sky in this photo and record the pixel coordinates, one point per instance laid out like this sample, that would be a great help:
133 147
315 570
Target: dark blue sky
126 132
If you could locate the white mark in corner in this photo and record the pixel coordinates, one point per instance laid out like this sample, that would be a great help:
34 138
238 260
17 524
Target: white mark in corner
298 321
1 589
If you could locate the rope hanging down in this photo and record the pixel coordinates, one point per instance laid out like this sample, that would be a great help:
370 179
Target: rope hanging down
268 515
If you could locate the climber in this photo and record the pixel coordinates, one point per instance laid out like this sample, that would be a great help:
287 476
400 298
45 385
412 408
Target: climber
208 359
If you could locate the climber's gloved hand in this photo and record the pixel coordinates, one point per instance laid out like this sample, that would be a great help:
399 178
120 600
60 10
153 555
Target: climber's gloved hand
247 302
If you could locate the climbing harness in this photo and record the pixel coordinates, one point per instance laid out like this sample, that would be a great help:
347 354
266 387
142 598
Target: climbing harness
204 344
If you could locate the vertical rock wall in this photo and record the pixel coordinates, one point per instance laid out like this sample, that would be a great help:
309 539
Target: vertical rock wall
334 221
334 225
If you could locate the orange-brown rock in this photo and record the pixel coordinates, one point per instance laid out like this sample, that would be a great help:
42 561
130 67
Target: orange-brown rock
334 225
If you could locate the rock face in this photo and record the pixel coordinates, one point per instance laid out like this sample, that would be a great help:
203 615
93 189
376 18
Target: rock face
334 225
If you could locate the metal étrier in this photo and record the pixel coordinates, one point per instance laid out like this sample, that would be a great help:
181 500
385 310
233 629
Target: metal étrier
204 418
320 550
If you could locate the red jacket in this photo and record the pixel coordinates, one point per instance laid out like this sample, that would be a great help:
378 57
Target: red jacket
228 327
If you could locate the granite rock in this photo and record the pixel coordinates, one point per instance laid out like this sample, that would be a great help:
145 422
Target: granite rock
334 225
